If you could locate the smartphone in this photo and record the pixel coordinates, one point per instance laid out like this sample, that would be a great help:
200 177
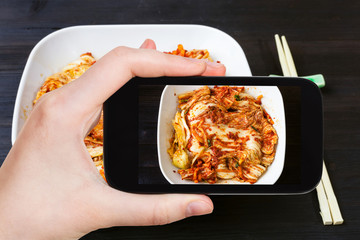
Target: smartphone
214 135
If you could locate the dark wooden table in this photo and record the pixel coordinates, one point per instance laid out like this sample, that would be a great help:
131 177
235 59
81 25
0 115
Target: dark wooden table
324 37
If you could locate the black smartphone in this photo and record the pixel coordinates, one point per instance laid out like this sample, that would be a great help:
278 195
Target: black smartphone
214 135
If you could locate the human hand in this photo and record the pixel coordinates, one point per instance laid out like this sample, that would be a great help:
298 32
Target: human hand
50 188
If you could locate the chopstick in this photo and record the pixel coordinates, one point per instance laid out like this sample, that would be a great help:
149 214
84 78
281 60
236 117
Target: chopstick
332 201
329 207
282 58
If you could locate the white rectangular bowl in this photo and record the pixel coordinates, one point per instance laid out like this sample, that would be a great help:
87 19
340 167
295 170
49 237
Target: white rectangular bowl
58 49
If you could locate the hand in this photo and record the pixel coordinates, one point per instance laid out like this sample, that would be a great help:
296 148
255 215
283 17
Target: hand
50 188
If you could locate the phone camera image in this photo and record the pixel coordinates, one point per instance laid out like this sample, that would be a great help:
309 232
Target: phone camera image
218 134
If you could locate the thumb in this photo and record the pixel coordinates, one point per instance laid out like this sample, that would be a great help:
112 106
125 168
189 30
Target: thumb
127 209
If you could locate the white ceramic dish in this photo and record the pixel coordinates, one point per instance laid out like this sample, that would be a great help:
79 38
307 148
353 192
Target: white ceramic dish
272 101
58 49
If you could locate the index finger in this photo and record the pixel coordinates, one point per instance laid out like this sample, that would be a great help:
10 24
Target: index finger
117 67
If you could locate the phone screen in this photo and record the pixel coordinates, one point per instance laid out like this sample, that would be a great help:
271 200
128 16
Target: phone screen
152 163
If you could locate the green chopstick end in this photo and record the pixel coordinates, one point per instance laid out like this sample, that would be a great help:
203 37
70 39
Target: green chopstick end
318 79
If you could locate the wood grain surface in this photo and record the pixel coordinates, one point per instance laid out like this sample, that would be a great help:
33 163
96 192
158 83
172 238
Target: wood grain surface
324 37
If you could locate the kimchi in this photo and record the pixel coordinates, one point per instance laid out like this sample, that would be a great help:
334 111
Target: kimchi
222 133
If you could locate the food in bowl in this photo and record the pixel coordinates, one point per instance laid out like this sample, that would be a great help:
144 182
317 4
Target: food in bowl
94 140
222 133
195 53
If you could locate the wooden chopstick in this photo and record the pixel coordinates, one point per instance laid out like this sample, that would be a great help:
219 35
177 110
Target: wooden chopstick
334 206
329 208
282 58
323 204
289 59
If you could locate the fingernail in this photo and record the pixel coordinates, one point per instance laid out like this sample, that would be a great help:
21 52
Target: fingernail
208 63
214 64
197 208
